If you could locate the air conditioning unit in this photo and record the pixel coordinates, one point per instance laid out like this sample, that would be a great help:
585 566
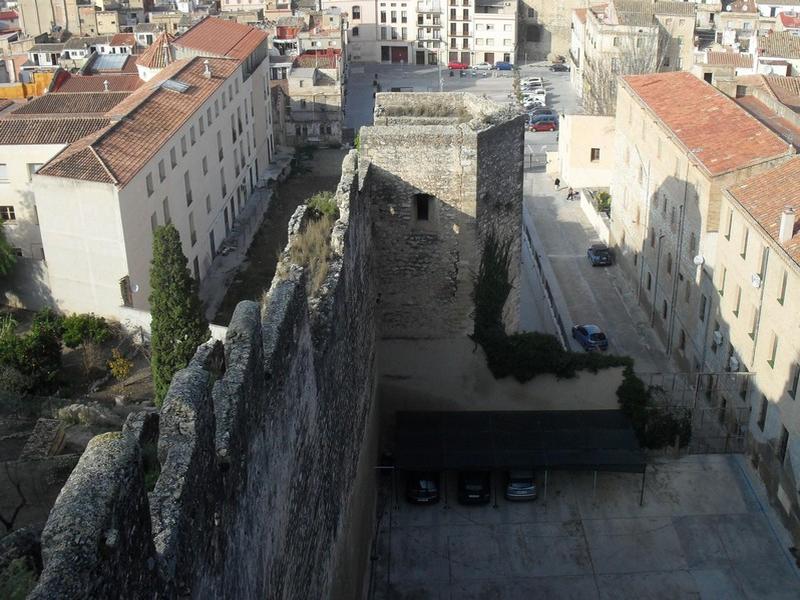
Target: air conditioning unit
717 337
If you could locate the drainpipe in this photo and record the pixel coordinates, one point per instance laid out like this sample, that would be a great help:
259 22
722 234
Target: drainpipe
675 278
757 327
655 288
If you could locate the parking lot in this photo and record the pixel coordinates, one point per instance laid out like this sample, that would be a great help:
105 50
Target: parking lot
704 531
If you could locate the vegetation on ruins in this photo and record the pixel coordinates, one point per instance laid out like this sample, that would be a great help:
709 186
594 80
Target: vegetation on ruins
526 355
87 331
32 361
178 325
7 256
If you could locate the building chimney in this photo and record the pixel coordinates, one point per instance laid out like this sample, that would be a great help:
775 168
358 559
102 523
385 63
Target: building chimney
786 229
105 85
207 71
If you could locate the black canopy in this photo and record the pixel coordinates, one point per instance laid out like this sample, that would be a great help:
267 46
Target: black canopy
588 440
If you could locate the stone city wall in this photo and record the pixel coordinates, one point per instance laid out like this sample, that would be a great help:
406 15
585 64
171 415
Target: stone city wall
265 448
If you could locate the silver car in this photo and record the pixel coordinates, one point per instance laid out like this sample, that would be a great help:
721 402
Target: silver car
521 486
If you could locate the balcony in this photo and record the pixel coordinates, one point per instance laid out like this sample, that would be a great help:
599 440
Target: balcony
429 6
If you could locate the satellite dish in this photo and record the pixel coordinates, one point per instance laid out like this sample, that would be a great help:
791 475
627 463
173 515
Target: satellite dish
755 280
728 8
135 287
698 260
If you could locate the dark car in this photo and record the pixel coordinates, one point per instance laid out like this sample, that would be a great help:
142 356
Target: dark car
599 255
559 67
521 486
456 66
503 66
590 337
474 487
538 112
422 488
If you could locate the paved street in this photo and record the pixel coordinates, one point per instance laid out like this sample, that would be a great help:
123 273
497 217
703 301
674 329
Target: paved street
705 531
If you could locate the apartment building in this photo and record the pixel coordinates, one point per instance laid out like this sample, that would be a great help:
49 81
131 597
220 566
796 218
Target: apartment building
628 37
187 147
545 28
362 31
495 31
673 161
756 312
313 111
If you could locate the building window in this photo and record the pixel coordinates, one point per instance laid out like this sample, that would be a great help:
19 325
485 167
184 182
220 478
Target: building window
355 32
149 184
422 204
664 309
7 213
745 237
773 352
173 158
669 263
222 179
737 301
795 381
192 135
649 281
205 165
183 145
196 268
783 444
192 232
682 340
165 207
356 12
162 171
652 237
188 187
762 413
3 173
201 125
782 289
125 291
723 275
702 314
753 322
692 244
208 203
220 153
594 154
212 243
153 222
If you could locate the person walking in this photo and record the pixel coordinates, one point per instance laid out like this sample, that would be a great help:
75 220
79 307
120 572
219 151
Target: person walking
570 194
557 182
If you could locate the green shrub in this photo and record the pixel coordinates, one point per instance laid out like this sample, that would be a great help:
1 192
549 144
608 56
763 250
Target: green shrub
35 355
323 203
84 329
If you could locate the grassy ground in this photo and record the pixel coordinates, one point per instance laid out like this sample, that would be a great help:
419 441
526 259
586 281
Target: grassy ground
316 172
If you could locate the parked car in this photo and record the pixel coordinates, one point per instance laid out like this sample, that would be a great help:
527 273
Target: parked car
590 337
599 255
531 103
521 486
457 66
559 67
474 487
544 123
540 111
484 66
422 488
532 81
503 66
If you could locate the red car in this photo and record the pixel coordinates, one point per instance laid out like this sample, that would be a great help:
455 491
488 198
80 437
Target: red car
544 124
455 66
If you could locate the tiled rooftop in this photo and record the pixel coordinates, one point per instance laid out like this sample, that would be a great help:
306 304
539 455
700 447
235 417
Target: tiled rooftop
123 39
765 196
159 54
719 133
47 130
731 59
779 44
790 21
95 83
783 127
742 6
581 14
143 123
57 104
218 37
320 61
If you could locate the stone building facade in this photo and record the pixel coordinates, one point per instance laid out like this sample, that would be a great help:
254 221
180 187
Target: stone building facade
545 29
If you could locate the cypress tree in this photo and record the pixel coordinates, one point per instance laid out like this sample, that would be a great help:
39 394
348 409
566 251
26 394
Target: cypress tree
178 326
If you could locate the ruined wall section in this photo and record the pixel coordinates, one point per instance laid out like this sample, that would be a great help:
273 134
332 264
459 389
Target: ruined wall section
262 448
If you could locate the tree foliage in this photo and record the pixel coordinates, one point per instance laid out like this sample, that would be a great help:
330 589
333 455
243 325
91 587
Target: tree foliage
178 326
36 356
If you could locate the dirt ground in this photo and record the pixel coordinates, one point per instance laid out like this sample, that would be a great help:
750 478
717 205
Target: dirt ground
316 172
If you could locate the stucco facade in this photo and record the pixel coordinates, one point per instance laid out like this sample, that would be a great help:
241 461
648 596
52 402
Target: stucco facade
586 151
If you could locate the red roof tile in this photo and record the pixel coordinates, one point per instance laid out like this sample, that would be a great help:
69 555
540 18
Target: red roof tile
765 196
123 39
143 123
96 83
47 130
788 20
159 54
219 37
721 134
57 104
783 127
732 59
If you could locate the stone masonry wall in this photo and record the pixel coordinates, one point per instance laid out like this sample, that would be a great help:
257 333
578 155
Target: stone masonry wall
262 446
473 172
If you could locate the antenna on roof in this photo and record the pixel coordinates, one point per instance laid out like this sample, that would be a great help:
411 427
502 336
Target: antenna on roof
105 85
207 69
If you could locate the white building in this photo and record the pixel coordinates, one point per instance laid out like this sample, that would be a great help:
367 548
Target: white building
187 147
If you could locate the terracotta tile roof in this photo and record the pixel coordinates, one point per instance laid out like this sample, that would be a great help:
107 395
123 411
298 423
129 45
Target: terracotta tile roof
146 28
783 127
765 196
320 61
581 14
721 135
47 131
790 21
159 54
123 39
681 9
731 59
785 89
55 104
779 44
142 124
218 37
95 83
